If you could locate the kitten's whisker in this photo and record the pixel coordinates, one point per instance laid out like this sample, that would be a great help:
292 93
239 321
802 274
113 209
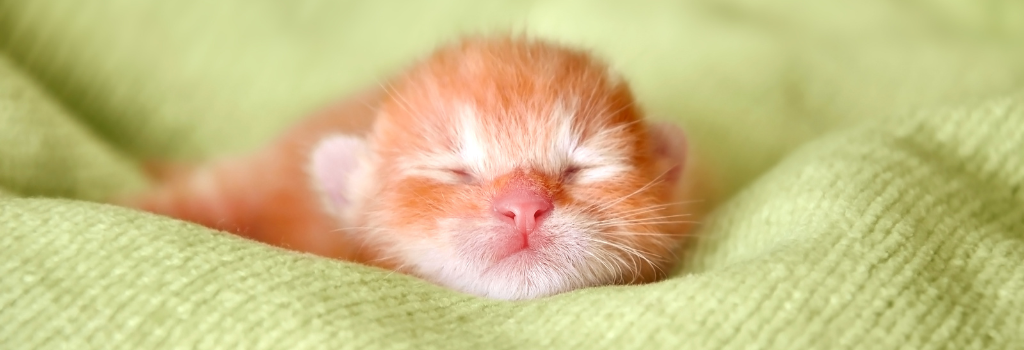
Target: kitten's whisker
394 270
650 220
402 102
622 262
609 266
657 206
653 234
653 182
644 256
651 223
654 217
639 252
646 209
616 222
633 254
639 213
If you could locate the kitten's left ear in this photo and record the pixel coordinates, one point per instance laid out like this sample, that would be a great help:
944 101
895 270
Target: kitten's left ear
670 149
333 162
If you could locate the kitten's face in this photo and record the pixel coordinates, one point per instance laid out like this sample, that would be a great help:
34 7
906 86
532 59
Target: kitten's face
510 180
598 219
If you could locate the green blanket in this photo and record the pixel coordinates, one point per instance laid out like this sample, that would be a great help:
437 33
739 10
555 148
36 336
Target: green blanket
871 156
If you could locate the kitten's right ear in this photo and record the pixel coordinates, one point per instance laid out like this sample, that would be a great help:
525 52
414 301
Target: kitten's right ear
670 149
333 162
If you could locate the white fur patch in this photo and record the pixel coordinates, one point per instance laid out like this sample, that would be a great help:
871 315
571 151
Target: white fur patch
471 148
571 260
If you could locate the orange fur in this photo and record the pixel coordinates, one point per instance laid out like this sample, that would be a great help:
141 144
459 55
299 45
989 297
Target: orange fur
502 113
264 195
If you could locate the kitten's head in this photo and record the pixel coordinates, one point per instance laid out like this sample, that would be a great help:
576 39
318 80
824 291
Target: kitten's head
511 169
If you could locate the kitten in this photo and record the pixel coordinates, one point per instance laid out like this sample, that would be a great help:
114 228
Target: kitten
508 168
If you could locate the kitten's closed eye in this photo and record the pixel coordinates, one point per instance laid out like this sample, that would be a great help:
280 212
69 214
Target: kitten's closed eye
571 173
461 176
586 173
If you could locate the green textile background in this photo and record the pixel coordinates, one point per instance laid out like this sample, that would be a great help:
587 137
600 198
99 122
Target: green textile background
871 153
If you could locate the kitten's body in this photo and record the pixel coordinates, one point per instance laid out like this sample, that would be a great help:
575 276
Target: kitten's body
506 168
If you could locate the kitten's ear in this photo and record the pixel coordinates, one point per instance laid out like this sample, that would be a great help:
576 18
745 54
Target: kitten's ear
333 162
670 149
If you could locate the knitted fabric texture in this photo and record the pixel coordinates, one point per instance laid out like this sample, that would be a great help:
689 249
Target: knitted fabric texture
871 156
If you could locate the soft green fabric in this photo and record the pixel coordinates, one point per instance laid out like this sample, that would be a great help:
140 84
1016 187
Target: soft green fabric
872 154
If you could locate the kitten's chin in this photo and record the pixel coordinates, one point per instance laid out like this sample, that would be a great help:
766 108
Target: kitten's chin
491 261
526 274
519 277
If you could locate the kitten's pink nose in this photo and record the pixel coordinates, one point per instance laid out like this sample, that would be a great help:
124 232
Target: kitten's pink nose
524 209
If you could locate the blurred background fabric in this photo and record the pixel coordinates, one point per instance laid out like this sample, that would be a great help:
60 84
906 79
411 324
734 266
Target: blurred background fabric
870 153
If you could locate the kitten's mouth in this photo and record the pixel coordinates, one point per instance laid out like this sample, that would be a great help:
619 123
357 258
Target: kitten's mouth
503 253
515 254
515 261
519 246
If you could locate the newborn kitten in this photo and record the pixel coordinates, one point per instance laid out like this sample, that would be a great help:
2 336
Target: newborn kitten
503 167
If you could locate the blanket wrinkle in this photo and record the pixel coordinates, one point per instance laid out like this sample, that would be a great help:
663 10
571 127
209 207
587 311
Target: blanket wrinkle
869 151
